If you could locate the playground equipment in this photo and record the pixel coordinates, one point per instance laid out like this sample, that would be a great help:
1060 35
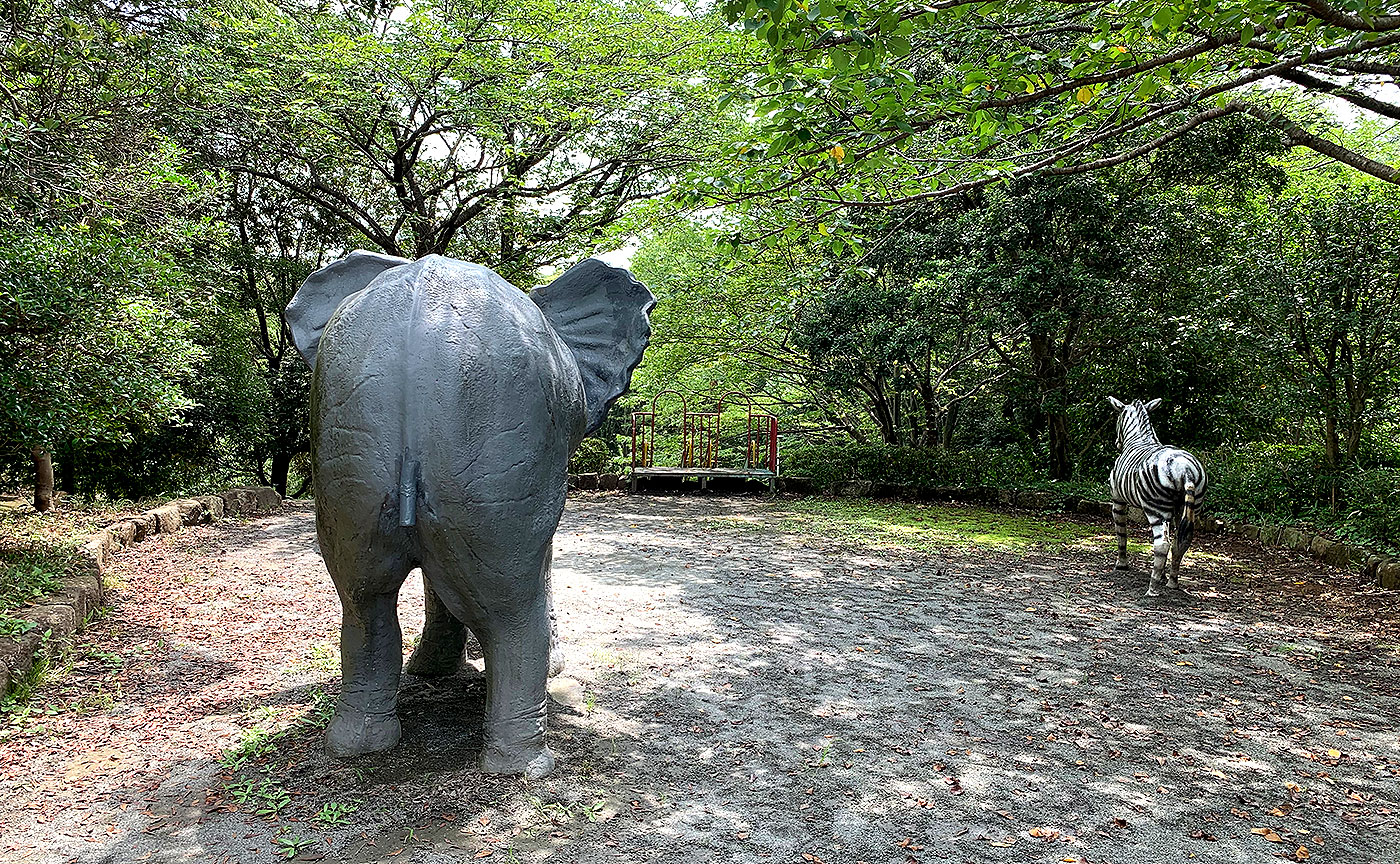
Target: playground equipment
701 440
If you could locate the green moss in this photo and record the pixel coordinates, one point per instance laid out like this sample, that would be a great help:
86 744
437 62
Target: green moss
928 528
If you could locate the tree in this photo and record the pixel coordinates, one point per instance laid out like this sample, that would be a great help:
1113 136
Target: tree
901 336
89 347
873 103
511 134
93 196
277 241
1331 263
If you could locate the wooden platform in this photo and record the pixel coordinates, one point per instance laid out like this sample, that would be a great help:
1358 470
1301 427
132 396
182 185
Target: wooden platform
704 475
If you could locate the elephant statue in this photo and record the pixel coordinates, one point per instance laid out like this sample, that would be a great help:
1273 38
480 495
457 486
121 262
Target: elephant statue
445 404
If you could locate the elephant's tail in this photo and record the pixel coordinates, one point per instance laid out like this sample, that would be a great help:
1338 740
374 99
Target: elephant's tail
408 492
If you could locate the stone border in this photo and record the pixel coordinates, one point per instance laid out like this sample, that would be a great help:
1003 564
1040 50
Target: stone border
58 616
606 482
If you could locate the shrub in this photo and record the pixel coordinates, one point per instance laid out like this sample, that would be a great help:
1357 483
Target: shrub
831 465
1372 501
591 457
1271 480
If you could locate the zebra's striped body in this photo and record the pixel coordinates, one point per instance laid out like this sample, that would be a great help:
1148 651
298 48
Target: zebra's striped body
1165 482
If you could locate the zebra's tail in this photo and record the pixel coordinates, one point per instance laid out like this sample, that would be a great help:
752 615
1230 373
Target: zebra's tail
1188 510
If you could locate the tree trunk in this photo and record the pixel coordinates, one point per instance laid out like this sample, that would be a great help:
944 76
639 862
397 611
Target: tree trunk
43 479
950 422
1049 375
281 462
1333 458
1060 463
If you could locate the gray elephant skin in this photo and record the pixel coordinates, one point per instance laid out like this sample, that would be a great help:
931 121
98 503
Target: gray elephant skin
445 405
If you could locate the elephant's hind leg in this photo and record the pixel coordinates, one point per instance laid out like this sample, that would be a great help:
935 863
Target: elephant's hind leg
517 666
502 595
371 655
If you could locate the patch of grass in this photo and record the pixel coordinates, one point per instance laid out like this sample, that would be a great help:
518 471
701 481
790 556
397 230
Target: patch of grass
36 549
321 656
927 528
31 568
25 714
255 783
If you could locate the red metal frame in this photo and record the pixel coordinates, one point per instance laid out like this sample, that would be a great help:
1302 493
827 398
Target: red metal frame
700 435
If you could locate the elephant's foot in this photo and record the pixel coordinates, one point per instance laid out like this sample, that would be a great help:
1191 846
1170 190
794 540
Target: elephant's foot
531 760
433 659
354 733
556 661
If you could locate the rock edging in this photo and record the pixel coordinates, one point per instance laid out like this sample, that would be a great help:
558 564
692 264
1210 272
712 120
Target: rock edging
58 616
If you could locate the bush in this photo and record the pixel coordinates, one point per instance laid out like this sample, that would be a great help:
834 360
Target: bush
831 465
1269 480
1290 482
591 457
1372 500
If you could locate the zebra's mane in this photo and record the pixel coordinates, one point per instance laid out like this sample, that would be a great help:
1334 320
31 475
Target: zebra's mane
1134 426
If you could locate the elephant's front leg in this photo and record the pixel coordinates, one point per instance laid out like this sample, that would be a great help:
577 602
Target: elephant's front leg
440 650
371 656
556 656
517 666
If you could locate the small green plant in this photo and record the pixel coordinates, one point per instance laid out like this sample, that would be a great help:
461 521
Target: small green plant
318 714
14 627
272 799
254 744
291 845
320 657
593 812
110 659
334 813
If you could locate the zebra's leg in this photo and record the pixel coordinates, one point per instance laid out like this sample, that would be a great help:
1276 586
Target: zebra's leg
1120 527
1181 541
1161 545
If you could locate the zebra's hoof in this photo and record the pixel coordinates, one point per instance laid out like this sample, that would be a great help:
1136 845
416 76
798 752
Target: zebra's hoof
1153 592
1123 568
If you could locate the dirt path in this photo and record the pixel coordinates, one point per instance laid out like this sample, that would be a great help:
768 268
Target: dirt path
737 690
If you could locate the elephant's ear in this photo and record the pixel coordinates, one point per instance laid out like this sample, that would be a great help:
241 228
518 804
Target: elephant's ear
317 298
601 314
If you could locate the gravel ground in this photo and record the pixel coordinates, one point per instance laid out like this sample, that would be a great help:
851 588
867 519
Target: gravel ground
738 688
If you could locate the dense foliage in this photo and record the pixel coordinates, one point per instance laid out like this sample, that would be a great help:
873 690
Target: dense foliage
971 341
930 238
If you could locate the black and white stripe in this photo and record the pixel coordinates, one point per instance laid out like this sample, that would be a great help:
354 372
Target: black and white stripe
1167 483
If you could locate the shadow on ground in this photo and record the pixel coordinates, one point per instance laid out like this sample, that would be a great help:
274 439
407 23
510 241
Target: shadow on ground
744 683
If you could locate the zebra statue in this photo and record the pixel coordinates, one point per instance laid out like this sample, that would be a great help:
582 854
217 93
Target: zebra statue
1165 482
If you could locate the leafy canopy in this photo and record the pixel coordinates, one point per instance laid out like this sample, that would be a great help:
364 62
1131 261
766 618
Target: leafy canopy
877 102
